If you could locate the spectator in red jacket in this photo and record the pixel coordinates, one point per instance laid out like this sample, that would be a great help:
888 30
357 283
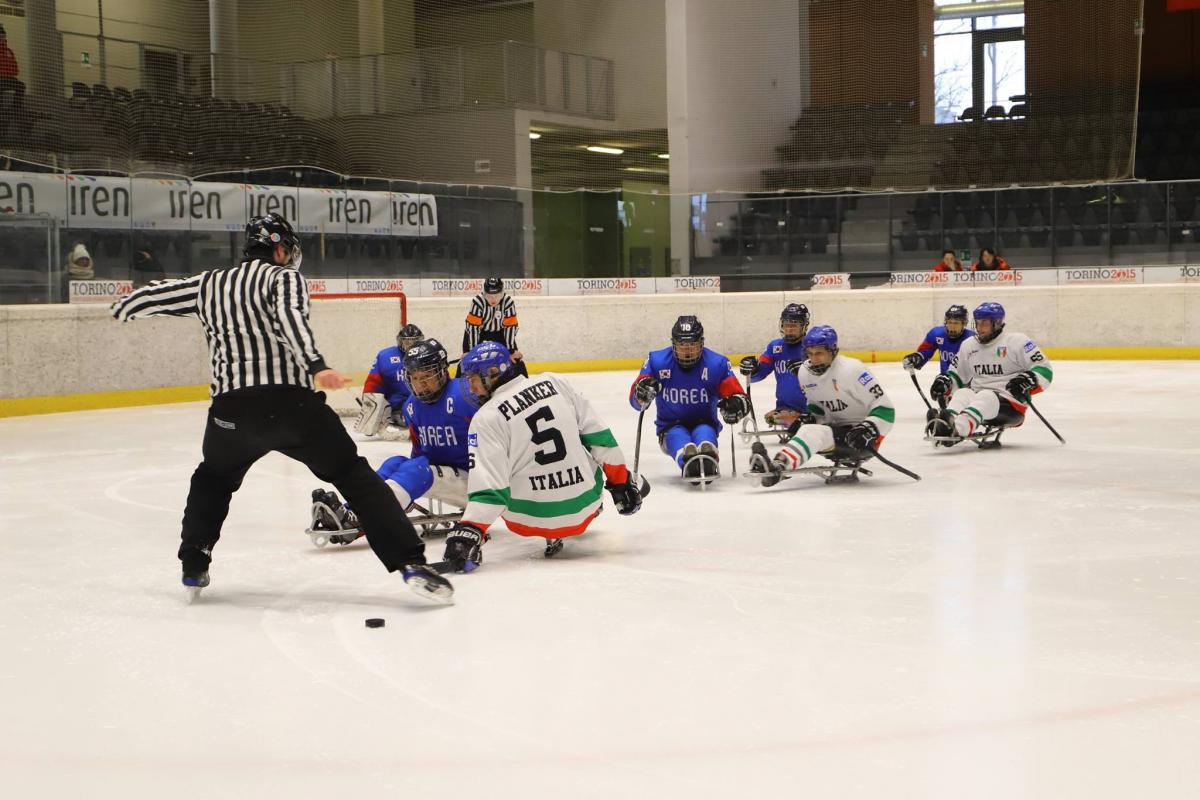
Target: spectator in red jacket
988 260
949 263
9 70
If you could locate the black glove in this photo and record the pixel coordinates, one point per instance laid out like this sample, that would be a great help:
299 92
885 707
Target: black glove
862 436
793 366
748 366
940 389
913 361
645 390
1022 385
626 496
733 408
464 547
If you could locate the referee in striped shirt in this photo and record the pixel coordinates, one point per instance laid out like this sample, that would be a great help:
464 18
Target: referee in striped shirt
264 364
493 318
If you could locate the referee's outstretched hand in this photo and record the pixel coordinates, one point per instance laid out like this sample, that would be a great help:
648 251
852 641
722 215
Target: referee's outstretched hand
330 379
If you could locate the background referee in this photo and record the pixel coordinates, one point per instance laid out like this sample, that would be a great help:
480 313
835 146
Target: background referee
264 363
493 318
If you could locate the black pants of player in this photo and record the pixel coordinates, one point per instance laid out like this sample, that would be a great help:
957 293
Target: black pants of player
244 426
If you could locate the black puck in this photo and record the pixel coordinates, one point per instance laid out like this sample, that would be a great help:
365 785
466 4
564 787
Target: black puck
374 622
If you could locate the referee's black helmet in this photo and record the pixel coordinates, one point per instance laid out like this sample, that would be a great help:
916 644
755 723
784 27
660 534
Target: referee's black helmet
263 233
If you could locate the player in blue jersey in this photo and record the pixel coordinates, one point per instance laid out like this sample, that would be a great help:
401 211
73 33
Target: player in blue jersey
790 401
385 391
689 385
945 338
438 417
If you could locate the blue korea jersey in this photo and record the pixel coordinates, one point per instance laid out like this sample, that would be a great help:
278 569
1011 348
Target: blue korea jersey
947 348
387 377
775 358
688 396
439 429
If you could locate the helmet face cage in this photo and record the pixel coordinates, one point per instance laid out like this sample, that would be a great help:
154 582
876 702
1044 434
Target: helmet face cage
823 337
687 341
992 312
408 337
794 314
422 362
483 369
957 314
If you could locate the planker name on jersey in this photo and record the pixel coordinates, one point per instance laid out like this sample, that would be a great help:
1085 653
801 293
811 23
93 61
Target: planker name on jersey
989 369
526 398
556 480
834 405
673 394
437 436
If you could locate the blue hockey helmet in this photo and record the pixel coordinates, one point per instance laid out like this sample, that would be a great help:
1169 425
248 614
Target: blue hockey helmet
794 314
486 367
994 312
687 340
821 336
427 370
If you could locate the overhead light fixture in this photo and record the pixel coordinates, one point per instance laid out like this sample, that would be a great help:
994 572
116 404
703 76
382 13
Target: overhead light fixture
612 151
533 135
651 170
664 155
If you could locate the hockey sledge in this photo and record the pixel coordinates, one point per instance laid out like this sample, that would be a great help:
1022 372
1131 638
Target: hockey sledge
774 433
324 529
986 439
833 473
705 471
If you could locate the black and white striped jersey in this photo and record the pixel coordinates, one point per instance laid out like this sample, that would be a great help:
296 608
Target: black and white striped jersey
255 318
486 322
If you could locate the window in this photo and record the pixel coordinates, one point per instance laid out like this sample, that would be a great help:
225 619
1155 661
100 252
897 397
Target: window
978 62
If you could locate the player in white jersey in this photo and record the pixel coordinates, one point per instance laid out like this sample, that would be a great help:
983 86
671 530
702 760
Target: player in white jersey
538 454
989 381
848 412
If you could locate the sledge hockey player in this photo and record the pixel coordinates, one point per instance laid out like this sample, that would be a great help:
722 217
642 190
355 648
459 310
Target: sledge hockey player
790 401
945 339
385 390
438 417
539 455
689 384
849 413
989 381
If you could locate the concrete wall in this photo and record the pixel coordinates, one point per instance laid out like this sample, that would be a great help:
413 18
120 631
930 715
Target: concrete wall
53 350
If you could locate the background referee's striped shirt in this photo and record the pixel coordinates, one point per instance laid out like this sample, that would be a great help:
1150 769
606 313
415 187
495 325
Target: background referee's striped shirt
255 317
482 317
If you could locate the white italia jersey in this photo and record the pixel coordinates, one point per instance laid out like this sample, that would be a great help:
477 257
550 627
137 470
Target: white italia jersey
992 365
845 394
539 454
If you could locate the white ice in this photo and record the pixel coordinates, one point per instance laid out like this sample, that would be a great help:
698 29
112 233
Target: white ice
1022 623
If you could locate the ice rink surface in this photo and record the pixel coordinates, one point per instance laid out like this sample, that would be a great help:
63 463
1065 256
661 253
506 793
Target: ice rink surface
1022 623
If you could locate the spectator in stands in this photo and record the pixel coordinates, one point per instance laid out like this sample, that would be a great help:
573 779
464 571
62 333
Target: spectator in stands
949 262
988 260
79 265
9 70
146 267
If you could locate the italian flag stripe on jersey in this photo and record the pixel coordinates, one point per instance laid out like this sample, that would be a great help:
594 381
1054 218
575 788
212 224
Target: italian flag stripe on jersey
884 413
548 509
1045 372
602 438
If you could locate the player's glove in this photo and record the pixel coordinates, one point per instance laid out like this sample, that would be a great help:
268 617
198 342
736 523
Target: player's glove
1022 385
793 366
862 436
940 389
464 547
913 361
626 496
733 408
748 366
645 390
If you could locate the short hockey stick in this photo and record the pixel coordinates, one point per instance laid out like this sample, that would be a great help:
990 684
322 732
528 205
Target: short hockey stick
912 374
637 447
896 466
1029 402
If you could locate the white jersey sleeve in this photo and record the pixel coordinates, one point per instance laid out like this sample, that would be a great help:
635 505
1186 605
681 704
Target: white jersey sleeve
596 436
992 365
847 393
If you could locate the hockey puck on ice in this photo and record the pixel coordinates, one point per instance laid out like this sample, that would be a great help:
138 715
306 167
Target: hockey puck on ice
375 622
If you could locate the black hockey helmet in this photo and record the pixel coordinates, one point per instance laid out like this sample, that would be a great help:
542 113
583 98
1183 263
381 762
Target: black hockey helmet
263 233
422 361
408 337
957 313
493 285
794 313
687 331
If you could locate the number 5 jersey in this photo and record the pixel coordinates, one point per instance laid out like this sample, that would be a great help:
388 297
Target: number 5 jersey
539 455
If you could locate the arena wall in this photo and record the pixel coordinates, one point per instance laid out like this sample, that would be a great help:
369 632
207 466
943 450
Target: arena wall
60 358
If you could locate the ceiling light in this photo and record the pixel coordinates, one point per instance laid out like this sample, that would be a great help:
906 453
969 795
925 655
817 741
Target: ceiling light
651 170
612 151
664 155
533 135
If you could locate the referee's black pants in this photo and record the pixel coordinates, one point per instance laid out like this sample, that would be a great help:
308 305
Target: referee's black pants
245 425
